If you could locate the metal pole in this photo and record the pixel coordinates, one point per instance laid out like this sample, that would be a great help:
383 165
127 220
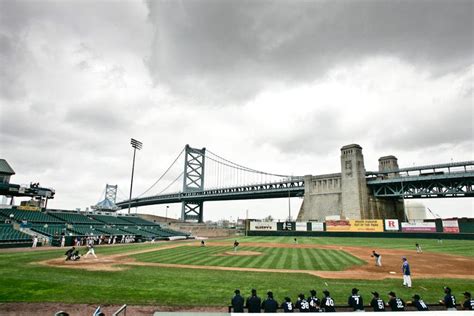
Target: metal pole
131 181
289 206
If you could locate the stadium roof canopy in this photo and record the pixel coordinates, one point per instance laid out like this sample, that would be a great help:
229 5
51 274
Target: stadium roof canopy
5 168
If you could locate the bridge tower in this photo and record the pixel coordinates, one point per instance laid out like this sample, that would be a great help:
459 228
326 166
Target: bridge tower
193 180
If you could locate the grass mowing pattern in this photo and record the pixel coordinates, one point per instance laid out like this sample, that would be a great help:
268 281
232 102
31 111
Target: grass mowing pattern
454 247
270 258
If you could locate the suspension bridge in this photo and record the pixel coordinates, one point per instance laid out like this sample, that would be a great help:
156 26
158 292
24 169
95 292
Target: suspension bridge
210 177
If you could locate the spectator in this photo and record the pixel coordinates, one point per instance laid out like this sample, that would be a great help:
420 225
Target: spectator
327 303
395 303
314 302
377 303
254 302
449 300
287 305
355 301
418 303
468 303
270 305
237 302
302 304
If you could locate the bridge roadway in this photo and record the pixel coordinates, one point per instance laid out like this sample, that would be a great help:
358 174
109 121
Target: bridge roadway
291 187
432 181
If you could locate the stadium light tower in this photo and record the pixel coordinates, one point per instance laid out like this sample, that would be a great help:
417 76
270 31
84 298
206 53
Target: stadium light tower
136 145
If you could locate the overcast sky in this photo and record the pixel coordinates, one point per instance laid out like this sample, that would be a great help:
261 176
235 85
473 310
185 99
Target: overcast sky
274 85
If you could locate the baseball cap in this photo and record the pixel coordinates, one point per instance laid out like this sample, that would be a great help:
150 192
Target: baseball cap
270 293
301 295
392 294
326 292
237 291
404 258
254 291
447 289
416 297
467 294
376 294
313 292
355 290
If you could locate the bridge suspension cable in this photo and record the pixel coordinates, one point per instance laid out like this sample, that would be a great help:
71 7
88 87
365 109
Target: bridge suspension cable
162 176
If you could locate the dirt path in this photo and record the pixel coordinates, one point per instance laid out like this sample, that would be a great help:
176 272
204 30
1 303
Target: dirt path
426 265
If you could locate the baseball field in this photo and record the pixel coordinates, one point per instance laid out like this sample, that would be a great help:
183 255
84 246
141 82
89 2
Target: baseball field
182 274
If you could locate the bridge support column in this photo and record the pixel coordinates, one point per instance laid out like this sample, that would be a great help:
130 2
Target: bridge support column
193 180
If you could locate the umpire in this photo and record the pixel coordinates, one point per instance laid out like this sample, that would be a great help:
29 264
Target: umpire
237 302
254 302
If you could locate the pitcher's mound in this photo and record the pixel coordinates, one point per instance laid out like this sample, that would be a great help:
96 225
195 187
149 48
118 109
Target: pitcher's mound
240 253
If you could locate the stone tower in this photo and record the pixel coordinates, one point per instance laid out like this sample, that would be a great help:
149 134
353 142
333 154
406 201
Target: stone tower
355 201
387 164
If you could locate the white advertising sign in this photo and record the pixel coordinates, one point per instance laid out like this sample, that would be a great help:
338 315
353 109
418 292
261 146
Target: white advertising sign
419 227
263 226
301 226
317 227
391 224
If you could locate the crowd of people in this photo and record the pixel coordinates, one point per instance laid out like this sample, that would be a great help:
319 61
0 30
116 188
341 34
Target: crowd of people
311 303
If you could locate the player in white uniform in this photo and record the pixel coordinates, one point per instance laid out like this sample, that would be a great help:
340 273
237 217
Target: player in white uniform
91 250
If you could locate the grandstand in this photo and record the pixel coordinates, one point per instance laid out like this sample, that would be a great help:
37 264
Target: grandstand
54 223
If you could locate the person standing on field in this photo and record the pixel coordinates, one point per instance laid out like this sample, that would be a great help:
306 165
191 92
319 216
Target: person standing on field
406 273
418 248
35 241
236 245
91 250
378 258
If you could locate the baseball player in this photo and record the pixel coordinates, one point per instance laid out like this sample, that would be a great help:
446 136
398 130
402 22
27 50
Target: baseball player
418 248
69 253
449 300
377 303
418 303
314 302
35 241
327 303
237 302
63 241
91 251
395 303
269 305
287 305
468 301
254 302
203 244
406 273
236 245
355 301
302 304
378 258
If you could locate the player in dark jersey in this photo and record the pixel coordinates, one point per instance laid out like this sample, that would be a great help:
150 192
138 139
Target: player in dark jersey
395 303
449 300
287 305
418 303
355 301
237 302
302 304
69 253
314 302
270 305
377 303
468 301
254 302
236 245
327 303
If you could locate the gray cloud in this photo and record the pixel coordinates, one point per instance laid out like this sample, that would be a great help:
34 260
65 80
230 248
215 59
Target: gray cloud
226 51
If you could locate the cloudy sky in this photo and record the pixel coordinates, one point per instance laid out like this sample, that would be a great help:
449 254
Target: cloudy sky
273 85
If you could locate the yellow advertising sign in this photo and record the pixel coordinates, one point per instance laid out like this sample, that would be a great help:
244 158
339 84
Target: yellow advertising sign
364 225
28 208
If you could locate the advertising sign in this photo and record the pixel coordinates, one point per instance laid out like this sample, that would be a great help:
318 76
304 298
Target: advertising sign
317 227
391 224
263 226
451 227
289 226
419 227
301 226
364 225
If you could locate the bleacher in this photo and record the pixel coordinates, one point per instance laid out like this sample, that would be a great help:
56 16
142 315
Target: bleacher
137 221
9 234
50 229
110 220
69 223
30 216
74 218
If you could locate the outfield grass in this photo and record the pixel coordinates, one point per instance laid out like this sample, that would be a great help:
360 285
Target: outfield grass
270 258
22 280
455 247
